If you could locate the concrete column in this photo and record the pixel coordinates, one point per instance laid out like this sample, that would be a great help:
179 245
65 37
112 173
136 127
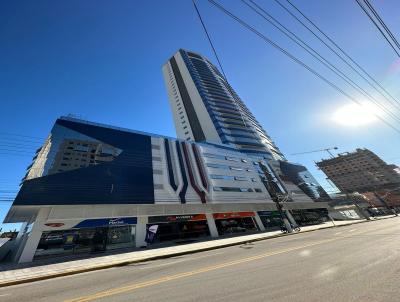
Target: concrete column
22 230
33 237
30 246
211 225
140 235
259 222
290 217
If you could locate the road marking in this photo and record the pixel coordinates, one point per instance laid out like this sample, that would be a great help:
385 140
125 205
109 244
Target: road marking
136 286
4 295
178 261
352 230
159 265
338 233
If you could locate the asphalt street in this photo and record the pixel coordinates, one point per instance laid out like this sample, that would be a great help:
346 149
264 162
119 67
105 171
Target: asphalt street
353 263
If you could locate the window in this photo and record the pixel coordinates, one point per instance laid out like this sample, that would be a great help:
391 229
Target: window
236 168
185 127
249 170
158 186
187 132
231 158
156 158
241 178
183 122
217 166
210 155
224 177
253 179
258 190
182 117
244 161
230 189
155 147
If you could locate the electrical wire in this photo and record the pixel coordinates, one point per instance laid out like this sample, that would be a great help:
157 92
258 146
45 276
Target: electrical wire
377 26
382 23
268 17
295 59
394 101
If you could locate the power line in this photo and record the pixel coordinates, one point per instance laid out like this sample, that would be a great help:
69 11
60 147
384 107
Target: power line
377 26
295 59
208 37
382 23
296 39
394 101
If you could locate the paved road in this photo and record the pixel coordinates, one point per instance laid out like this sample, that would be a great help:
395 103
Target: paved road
353 263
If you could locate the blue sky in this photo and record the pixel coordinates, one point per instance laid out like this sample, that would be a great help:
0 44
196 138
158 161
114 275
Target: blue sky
101 60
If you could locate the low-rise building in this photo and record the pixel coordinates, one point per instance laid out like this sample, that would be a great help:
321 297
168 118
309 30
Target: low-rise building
96 187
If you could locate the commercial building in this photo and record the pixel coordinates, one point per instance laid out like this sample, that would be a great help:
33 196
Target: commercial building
94 187
360 171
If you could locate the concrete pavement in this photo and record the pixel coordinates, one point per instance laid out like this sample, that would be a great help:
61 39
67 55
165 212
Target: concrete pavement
352 263
17 276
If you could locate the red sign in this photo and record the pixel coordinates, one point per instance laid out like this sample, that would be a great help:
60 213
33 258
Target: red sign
233 215
54 224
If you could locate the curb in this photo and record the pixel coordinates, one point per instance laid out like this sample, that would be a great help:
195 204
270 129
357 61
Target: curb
170 255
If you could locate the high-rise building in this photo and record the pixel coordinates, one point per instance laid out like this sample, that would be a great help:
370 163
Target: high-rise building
360 171
206 108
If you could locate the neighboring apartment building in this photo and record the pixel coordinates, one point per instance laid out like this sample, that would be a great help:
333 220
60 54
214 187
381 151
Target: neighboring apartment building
360 171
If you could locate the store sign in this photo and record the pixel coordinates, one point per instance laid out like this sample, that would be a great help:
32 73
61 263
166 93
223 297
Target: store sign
105 222
54 224
233 215
269 213
177 218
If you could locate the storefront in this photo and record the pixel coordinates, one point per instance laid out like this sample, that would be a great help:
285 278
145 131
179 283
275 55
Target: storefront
310 216
179 227
89 236
235 222
272 220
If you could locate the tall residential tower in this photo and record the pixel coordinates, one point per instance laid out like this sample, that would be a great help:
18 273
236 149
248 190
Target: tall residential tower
206 108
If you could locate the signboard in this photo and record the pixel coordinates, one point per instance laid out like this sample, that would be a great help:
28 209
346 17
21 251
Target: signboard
233 215
269 213
54 224
177 218
106 222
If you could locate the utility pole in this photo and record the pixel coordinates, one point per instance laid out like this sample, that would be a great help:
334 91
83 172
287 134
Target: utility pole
277 192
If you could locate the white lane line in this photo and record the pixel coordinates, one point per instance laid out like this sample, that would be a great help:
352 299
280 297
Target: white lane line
4 295
338 233
352 230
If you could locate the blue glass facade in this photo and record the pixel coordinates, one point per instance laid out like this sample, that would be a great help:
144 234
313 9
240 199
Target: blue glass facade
82 163
233 121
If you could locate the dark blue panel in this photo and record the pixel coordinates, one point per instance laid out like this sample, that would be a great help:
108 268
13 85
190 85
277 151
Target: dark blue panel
128 179
182 193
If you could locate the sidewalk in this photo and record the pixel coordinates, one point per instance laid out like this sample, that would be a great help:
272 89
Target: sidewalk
35 273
